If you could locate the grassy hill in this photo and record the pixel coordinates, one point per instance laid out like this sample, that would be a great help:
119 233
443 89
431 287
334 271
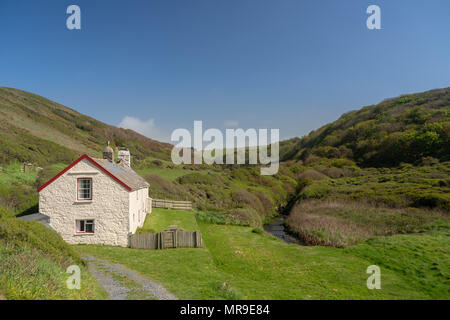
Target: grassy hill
403 129
33 262
37 130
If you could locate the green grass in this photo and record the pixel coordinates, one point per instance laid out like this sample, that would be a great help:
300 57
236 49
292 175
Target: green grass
160 219
422 259
13 175
33 262
166 173
239 263
27 274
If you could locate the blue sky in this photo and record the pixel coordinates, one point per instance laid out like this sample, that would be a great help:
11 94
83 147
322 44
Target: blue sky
288 64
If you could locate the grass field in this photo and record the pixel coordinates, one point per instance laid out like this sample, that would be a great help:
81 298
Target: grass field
162 218
237 263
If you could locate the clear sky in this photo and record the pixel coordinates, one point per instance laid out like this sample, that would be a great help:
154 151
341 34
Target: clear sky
157 65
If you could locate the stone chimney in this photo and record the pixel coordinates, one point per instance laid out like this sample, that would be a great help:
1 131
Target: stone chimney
124 156
108 153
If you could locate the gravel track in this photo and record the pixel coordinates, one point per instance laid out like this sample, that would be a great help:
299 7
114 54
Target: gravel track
124 284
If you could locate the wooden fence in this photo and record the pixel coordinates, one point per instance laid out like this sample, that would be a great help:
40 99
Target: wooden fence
171 204
167 239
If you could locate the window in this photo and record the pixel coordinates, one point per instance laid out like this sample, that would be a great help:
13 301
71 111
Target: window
84 189
85 226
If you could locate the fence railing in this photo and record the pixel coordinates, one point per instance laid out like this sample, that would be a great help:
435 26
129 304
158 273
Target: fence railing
167 239
171 204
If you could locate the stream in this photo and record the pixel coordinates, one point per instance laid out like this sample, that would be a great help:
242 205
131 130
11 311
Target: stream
276 227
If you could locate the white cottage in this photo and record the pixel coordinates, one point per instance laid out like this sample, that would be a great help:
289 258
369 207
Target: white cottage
96 201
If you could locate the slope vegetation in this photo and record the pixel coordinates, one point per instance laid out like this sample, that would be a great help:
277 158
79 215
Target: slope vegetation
35 129
403 129
33 262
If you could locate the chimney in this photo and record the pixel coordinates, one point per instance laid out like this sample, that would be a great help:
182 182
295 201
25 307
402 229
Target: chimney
108 153
124 156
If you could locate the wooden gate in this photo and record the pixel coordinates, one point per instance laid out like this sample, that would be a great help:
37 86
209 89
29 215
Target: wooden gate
167 239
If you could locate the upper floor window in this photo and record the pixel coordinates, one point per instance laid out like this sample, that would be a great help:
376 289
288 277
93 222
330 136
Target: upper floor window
84 189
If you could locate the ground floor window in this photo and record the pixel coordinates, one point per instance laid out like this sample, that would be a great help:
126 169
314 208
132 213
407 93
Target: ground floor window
85 226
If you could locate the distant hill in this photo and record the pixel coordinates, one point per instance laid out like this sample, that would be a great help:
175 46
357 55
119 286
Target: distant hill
403 129
35 129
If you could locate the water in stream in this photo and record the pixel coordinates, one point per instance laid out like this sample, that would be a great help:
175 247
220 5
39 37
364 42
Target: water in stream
276 227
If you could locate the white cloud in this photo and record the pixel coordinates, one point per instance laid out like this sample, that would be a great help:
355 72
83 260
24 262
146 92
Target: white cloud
230 123
146 128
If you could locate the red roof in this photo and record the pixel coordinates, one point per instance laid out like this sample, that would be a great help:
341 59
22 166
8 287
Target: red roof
85 156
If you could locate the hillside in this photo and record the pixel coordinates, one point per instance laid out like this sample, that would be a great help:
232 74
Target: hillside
347 190
403 129
324 165
33 262
37 130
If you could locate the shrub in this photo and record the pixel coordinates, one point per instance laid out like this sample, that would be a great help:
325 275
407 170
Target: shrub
311 174
243 198
258 231
247 216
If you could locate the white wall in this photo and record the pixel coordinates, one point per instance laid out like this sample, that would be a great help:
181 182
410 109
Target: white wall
109 206
138 208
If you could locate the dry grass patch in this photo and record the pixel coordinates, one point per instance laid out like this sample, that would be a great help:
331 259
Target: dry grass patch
340 223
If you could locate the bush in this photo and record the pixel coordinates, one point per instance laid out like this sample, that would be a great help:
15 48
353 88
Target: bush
258 231
247 216
243 198
311 174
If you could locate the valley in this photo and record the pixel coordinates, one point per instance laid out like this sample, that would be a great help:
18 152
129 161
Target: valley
373 187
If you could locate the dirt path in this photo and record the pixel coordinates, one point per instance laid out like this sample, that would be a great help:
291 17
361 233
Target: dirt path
124 284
